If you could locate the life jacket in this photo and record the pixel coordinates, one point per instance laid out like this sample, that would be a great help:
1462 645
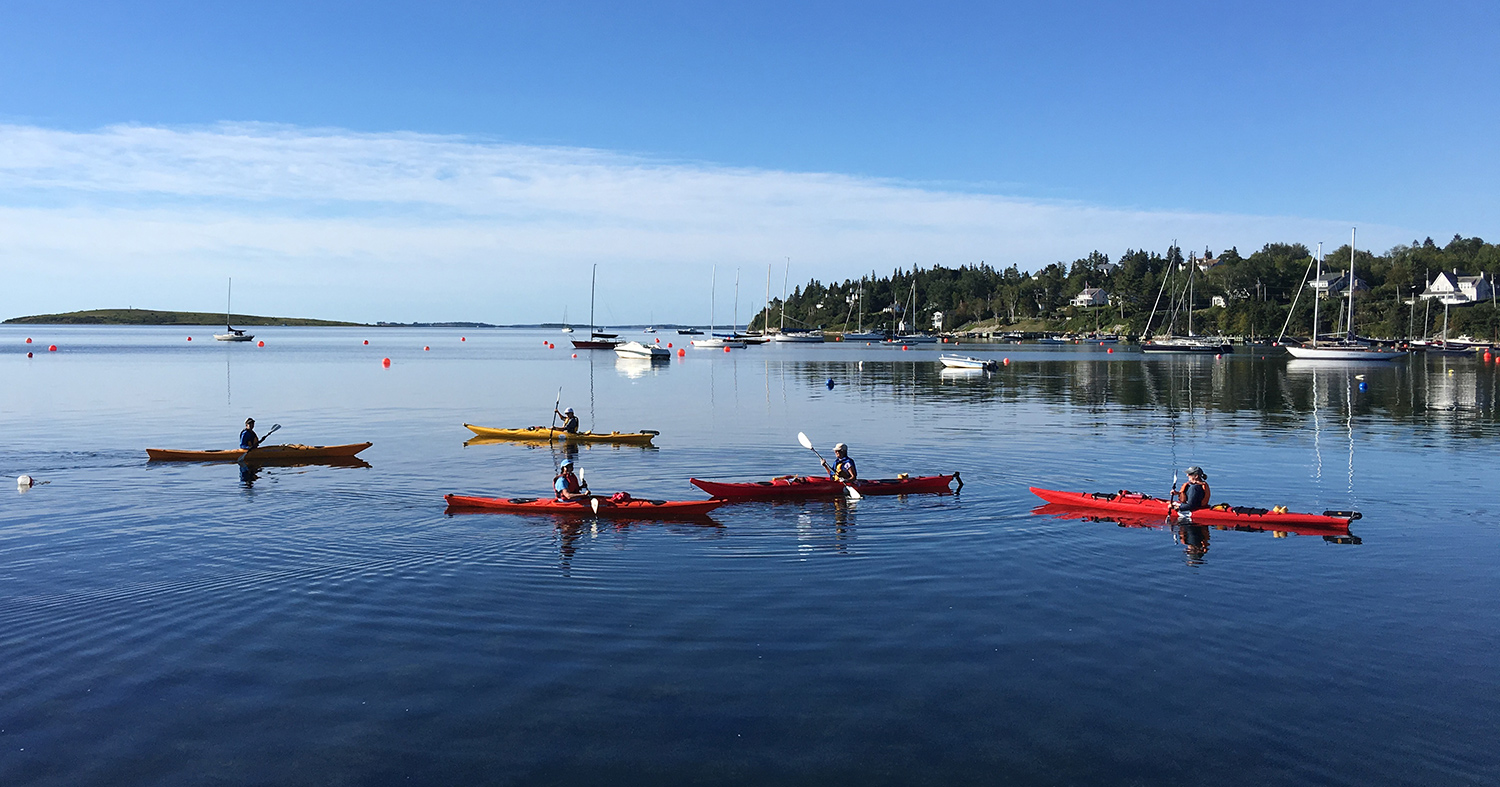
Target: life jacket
840 464
570 483
1194 495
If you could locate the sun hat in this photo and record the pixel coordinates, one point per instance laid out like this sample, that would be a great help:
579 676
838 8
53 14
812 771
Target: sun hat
841 447
566 463
1196 470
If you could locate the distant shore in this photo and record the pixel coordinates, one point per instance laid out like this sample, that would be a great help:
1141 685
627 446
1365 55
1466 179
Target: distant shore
154 317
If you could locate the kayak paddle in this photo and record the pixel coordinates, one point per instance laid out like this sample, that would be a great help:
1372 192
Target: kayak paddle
584 485
806 443
551 429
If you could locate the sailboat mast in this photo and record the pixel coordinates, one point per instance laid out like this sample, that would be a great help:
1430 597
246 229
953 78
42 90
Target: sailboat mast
1317 297
593 280
1349 323
785 277
765 322
713 284
734 327
228 299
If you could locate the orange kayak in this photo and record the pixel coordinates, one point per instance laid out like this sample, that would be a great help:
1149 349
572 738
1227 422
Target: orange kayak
266 454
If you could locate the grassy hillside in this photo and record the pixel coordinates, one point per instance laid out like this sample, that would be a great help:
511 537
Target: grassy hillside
151 317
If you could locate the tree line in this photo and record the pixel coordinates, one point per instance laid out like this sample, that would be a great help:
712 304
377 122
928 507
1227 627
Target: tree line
1257 292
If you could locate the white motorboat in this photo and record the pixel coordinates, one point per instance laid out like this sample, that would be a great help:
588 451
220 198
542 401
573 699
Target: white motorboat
913 338
640 350
863 336
964 362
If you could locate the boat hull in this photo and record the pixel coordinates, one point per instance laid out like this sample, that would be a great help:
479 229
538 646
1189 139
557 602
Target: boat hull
545 434
643 351
1342 354
1184 346
588 344
964 362
632 509
801 487
1155 508
267 454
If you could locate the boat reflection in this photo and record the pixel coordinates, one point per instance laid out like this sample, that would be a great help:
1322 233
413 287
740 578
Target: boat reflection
252 472
574 534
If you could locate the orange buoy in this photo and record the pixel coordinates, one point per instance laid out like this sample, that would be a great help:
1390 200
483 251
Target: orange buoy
386 362
575 355
425 348
367 341
28 340
1007 362
51 348
726 349
681 352
904 348
261 343
669 344
1110 350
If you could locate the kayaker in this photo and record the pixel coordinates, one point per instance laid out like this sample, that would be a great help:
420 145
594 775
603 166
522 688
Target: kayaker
843 466
1194 493
566 485
248 440
570 421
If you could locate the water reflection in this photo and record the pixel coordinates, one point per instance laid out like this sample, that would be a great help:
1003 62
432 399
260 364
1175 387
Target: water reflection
572 534
1441 391
251 472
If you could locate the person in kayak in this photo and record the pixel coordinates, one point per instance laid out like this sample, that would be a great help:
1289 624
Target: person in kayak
1194 493
570 421
566 485
248 440
843 467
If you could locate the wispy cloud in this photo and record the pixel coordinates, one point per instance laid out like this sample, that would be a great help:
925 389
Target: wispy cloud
332 223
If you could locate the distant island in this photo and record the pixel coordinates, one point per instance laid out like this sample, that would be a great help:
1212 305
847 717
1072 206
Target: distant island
153 317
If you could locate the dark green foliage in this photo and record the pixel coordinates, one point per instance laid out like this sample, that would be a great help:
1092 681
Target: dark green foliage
152 317
1258 292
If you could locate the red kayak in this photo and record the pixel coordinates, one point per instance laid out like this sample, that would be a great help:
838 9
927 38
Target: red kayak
1146 507
1157 521
821 486
628 509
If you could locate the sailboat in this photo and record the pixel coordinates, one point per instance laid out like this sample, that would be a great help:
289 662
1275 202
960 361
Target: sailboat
1170 343
804 337
566 327
1348 349
714 342
596 340
233 334
902 336
859 334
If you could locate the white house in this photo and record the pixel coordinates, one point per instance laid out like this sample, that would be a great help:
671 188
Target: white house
1091 296
1456 290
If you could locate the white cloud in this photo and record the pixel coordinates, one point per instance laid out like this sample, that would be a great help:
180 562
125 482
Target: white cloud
329 223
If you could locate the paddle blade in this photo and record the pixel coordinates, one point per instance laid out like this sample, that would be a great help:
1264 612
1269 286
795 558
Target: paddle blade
853 493
806 443
594 504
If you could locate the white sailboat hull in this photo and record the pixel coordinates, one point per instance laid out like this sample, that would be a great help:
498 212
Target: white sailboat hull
1343 354
639 350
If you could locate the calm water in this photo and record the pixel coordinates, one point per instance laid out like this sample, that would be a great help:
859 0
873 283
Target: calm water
187 624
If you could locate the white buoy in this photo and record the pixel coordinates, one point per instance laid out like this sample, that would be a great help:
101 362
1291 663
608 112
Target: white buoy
25 482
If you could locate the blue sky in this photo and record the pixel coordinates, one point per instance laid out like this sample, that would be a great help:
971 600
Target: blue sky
156 140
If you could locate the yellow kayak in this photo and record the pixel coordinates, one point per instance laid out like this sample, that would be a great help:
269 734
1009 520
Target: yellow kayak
545 434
